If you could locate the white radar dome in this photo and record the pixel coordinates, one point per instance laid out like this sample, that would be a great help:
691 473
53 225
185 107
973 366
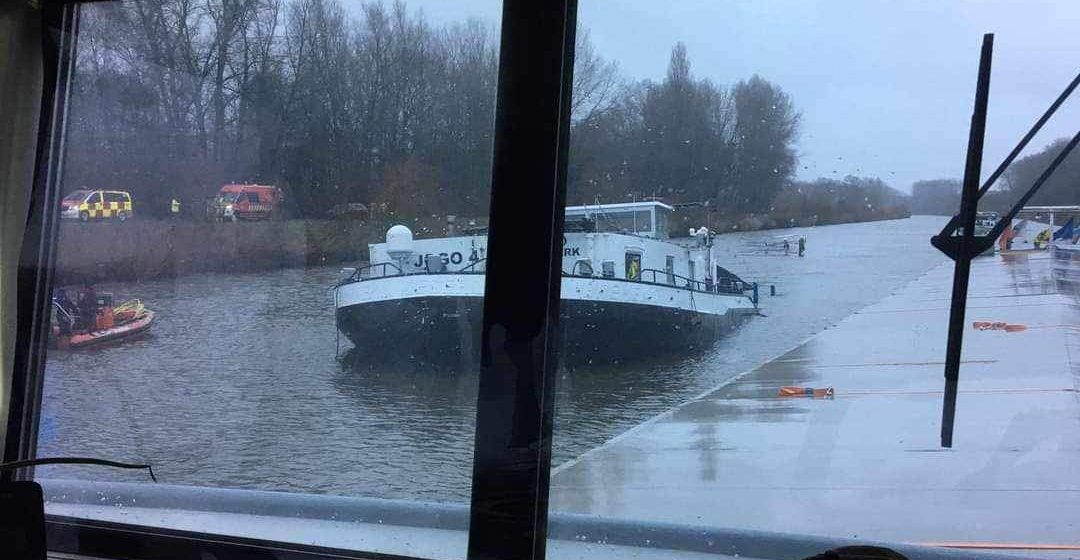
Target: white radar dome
399 240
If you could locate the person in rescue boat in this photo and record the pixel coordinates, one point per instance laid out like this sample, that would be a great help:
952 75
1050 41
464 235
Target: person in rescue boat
64 301
87 304
67 320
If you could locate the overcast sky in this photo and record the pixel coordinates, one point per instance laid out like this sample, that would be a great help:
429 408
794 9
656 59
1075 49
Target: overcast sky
885 88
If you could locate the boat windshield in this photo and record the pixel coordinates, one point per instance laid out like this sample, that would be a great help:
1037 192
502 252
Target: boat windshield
661 223
639 221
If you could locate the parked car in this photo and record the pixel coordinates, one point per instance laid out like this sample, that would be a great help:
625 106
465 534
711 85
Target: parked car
95 204
247 202
349 210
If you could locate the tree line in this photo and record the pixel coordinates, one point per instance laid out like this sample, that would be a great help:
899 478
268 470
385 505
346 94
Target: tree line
942 196
1061 189
173 98
686 139
852 199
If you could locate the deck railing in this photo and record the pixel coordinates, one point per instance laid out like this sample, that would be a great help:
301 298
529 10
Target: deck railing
665 278
645 276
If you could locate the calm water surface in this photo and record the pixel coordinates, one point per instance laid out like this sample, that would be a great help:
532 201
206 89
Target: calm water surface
239 385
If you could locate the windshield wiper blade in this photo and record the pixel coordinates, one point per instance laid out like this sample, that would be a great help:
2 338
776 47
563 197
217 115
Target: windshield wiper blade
961 253
966 246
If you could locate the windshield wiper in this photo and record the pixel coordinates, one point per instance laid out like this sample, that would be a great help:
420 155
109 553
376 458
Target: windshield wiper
966 246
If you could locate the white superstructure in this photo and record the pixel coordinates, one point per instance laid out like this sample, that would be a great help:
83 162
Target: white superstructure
619 269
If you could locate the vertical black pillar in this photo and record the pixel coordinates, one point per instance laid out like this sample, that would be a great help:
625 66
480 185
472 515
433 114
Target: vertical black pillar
512 459
36 259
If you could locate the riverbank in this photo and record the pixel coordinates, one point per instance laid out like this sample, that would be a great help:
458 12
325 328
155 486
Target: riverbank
693 218
152 249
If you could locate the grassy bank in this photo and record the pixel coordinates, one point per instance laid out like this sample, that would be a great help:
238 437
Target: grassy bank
148 249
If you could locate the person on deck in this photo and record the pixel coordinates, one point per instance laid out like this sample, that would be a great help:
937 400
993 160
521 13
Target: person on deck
1005 241
1042 239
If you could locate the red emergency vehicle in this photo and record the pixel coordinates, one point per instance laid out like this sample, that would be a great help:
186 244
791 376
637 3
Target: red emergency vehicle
248 202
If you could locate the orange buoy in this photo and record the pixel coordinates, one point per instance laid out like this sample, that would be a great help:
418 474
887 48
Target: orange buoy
811 392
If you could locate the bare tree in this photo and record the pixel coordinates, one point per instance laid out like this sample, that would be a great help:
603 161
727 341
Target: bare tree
596 81
766 127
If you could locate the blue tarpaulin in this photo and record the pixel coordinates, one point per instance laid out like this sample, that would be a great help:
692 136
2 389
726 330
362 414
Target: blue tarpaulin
1066 231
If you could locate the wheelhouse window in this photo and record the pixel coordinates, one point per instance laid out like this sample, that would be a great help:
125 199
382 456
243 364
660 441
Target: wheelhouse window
639 218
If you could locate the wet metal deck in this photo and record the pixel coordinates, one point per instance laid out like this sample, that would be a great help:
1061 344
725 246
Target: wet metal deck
867 464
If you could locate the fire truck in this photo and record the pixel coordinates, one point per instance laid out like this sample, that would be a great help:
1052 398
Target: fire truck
247 202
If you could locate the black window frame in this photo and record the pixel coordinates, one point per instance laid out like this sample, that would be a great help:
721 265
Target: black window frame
509 510
512 449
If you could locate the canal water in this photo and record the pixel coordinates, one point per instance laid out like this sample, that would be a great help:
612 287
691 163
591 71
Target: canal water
243 382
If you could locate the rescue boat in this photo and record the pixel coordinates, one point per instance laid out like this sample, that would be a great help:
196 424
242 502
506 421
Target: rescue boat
125 321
